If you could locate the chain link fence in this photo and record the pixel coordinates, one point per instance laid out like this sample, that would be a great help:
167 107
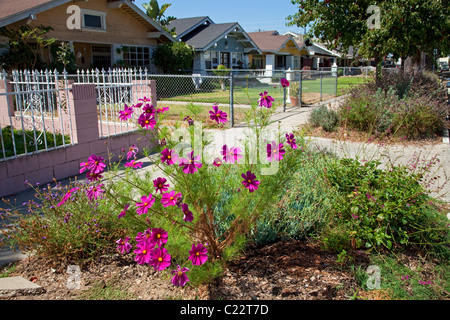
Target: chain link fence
192 94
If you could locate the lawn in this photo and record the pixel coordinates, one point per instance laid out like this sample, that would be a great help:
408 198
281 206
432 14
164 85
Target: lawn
248 92
24 141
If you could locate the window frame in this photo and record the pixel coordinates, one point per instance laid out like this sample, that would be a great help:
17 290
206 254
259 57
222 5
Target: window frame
100 14
138 53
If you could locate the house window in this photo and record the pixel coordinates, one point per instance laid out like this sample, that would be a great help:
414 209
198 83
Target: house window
296 62
137 56
280 62
214 58
257 63
225 59
101 56
236 57
207 57
93 20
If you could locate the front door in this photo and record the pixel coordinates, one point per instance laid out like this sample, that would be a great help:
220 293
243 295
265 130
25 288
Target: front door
225 59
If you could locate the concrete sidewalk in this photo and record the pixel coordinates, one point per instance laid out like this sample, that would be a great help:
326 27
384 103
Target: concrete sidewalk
288 122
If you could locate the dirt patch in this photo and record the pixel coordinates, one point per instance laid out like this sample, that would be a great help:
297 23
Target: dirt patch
345 134
295 270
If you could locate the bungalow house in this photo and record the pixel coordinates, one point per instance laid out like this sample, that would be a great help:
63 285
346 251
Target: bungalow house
215 43
101 33
315 55
279 52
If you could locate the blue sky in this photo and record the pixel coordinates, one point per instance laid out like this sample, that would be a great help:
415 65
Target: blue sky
252 15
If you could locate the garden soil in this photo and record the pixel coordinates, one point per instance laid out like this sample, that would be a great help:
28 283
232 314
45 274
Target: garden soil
296 270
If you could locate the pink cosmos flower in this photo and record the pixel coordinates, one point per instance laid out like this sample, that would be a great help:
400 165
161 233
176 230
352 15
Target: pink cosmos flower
161 185
180 278
146 99
124 211
132 151
123 245
170 198
93 176
162 110
169 156
232 155
158 237
95 164
144 237
93 192
133 164
188 216
137 105
290 139
217 162
275 152
227 154
236 152
83 166
146 120
150 109
191 164
145 204
265 100
189 120
67 196
126 113
143 252
218 115
284 83
250 181
198 254
160 259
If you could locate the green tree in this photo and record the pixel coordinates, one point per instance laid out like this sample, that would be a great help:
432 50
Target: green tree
173 57
407 27
24 47
156 12
64 57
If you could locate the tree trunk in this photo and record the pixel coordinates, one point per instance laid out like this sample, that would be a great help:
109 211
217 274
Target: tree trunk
378 68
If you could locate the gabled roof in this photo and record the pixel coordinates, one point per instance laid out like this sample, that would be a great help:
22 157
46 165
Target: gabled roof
202 33
12 11
204 36
185 25
320 49
271 41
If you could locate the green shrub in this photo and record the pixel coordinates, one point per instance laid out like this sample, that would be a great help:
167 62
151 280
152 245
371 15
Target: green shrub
303 207
80 230
325 118
385 208
399 105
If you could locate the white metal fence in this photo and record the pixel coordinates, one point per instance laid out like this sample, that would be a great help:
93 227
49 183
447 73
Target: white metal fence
35 113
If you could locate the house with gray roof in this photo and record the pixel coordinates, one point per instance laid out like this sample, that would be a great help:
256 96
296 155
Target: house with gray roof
215 43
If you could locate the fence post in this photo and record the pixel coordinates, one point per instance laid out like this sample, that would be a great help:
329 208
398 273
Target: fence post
284 93
300 88
335 83
7 110
320 75
231 99
83 113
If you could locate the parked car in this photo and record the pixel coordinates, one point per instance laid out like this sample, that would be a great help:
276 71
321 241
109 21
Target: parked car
444 67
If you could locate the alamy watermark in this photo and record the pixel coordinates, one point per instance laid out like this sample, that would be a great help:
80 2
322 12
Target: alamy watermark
374 21
74 20
374 279
74 281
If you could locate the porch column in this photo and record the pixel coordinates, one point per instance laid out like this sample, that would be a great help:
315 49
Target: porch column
270 64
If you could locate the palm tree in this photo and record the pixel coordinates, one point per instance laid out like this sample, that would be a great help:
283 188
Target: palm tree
157 13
